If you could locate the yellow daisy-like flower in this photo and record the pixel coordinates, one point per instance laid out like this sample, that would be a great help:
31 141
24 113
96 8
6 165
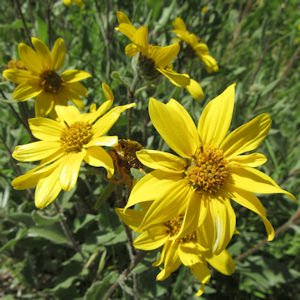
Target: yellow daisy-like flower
187 250
211 168
155 60
63 145
199 48
40 78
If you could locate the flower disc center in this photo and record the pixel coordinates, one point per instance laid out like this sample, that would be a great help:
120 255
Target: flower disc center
51 81
75 136
208 170
147 67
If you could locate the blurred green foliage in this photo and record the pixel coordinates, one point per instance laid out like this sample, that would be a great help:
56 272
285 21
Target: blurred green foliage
78 248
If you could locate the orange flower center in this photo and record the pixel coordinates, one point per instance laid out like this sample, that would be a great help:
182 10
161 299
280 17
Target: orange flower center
174 227
208 170
75 136
51 82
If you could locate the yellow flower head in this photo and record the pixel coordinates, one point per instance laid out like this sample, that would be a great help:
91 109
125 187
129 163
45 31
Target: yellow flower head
80 3
199 48
187 249
154 60
209 170
40 78
63 145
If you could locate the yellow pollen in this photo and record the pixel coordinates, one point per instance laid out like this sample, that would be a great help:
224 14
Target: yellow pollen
174 227
208 170
75 136
51 82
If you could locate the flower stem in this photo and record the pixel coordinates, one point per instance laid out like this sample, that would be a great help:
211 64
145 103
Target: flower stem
21 15
67 231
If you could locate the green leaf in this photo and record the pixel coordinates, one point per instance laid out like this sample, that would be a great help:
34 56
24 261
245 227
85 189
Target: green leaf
52 234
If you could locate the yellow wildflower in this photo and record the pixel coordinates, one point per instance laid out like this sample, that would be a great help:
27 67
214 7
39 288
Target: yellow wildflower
80 3
208 171
63 145
40 78
199 48
187 250
154 60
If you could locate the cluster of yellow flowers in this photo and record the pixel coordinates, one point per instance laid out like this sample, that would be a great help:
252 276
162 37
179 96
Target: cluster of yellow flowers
184 205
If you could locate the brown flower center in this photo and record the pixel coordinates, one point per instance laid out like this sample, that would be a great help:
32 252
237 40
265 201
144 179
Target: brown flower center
208 170
174 227
51 82
147 68
75 136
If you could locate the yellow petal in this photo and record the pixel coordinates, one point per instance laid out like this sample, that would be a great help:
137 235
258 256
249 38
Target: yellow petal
74 90
221 225
249 160
216 117
127 29
43 52
18 76
45 129
152 186
131 217
25 91
247 137
92 116
107 92
103 141
195 89
44 104
163 56
30 58
171 263
36 150
69 114
210 63
161 160
255 181
131 50
195 213
222 262
151 239
180 80
58 54
187 258
98 157
251 202
178 23
47 190
70 170
109 119
30 178
172 202
202 273
175 126
140 39
201 49
71 76
122 18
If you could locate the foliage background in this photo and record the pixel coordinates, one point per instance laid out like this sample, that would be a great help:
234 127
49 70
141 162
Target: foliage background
78 248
